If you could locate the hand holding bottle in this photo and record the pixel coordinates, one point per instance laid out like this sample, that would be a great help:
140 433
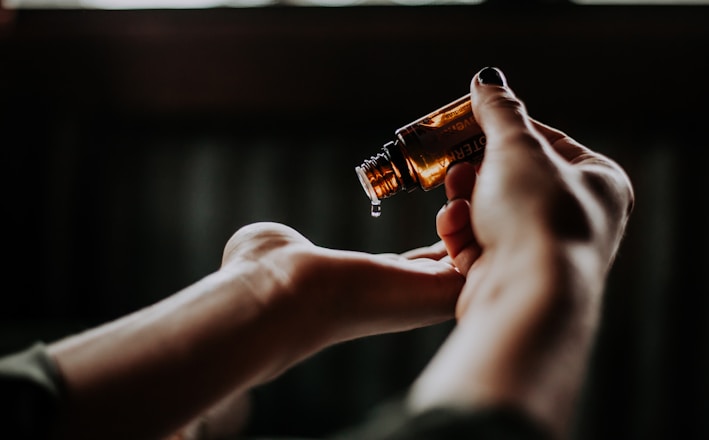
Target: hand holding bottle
535 228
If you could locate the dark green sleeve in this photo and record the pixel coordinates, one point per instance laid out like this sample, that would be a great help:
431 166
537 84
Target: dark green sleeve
31 390
30 393
393 422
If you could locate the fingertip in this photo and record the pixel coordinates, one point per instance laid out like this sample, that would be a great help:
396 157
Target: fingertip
460 180
497 110
490 76
453 226
453 217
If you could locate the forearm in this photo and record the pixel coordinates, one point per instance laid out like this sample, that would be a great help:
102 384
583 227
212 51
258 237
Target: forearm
146 374
276 300
525 340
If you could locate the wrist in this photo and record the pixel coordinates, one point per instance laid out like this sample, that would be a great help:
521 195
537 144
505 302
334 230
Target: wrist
522 340
283 290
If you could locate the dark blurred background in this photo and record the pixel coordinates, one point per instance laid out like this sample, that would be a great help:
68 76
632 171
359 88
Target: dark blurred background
134 143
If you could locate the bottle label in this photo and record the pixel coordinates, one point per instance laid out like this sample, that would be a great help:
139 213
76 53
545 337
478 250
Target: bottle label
451 130
468 149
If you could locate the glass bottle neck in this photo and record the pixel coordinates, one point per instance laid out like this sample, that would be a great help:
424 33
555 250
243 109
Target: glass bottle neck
377 177
381 176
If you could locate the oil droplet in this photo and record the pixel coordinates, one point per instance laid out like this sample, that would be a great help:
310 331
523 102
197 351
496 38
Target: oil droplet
376 208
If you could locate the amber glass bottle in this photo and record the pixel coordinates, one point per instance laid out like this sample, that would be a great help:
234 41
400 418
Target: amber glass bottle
422 152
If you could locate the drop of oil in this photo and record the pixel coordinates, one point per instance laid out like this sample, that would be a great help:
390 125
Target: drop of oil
376 208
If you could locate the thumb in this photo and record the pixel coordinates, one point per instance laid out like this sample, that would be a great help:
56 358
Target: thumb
499 113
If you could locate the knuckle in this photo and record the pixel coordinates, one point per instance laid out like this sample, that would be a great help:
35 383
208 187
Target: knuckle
510 104
612 188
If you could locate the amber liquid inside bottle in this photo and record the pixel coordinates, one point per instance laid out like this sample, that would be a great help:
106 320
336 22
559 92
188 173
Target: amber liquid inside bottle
423 150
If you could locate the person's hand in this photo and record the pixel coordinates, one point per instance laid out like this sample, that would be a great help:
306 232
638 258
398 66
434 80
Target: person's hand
324 296
276 299
535 227
321 296
536 182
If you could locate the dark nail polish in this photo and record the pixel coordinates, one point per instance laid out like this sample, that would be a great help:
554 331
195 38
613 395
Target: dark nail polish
491 76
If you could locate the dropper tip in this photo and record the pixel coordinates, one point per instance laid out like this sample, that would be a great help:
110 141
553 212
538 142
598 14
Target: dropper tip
376 208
